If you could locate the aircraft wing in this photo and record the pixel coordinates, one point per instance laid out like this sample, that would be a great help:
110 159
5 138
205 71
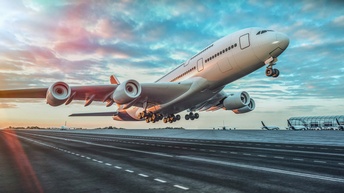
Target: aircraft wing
81 92
24 93
152 93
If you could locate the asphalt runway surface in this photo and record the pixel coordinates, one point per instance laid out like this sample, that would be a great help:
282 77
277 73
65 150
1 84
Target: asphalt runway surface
51 161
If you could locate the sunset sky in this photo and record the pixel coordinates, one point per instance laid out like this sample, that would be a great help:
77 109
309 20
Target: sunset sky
83 42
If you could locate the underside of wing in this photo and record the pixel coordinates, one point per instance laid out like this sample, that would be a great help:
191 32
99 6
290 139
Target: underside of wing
93 114
160 93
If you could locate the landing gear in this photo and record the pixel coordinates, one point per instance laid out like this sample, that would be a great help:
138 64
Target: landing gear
270 71
151 117
191 116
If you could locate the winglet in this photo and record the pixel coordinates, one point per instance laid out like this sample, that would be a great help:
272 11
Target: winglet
114 80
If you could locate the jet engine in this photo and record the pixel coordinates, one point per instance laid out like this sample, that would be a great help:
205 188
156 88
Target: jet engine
250 107
58 93
126 92
236 100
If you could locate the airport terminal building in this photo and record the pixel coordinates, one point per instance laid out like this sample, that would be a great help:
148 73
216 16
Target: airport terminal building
318 122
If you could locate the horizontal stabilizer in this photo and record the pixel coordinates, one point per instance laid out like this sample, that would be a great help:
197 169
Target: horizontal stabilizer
93 114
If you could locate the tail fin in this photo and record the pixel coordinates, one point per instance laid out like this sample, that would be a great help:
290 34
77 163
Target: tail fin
114 80
289 124
263 124
337 121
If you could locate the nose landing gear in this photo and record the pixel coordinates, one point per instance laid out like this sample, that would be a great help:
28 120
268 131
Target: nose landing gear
270 71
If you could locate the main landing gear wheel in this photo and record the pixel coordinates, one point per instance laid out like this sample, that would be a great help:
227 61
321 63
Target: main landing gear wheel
191 116
150 116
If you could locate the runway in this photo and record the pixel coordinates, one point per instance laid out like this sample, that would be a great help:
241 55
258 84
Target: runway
55 161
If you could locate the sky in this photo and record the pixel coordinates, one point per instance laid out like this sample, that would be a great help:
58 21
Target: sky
83 42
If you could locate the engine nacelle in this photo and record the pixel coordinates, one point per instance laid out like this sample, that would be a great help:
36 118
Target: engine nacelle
250 107
236 100
58 93
126 92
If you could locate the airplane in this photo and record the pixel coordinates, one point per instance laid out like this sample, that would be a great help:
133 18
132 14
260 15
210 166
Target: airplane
296 128
195 85
269 127
340 126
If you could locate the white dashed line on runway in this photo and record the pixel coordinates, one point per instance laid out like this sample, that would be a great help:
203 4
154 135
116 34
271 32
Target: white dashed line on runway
297 159
262 156
181 187
143 175
159 180
318 161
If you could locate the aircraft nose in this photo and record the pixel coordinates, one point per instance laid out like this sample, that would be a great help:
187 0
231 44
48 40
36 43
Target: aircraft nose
283 40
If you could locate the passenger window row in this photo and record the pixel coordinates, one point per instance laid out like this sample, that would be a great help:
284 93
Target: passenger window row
221 52
185 73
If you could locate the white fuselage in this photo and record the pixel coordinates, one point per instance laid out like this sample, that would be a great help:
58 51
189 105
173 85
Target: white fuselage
219 64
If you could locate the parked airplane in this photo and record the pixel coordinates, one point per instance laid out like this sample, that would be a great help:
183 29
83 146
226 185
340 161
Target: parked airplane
196 85
269 127
340 126
298 127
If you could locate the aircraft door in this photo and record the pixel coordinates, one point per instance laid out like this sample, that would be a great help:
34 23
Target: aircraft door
244 41
200 65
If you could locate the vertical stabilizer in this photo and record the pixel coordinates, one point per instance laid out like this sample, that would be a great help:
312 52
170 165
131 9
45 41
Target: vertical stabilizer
114 80
263 124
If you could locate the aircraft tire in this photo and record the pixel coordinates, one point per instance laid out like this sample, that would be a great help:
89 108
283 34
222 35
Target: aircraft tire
269 72
276 73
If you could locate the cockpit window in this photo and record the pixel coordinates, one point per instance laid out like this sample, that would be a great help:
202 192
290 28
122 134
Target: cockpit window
263 31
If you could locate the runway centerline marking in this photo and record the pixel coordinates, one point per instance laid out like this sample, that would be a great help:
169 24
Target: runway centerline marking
297 159
143 175
159 180
181 187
